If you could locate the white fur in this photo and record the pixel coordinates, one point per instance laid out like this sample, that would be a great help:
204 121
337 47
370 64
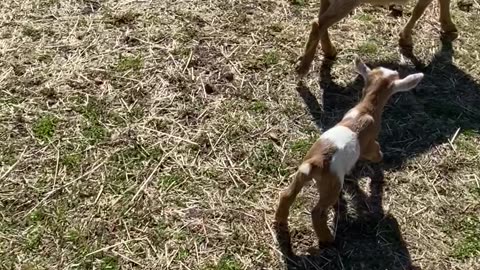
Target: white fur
387 72
407 83
305 168
352 113
348 150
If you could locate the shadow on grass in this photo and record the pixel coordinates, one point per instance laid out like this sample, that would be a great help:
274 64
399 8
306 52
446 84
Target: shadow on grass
445 101
367 239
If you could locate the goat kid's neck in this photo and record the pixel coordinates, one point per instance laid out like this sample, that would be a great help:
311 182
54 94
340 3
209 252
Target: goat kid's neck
374 99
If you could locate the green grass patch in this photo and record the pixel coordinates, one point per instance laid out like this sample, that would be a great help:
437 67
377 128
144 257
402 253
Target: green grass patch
109 263
271 58
467 145
93 130
267 160
135 155
301 146
368 47
182 254
36 216
258 106
166 181
33 238
226 262
71 161
44 128
364 17
72 235
469 245
160 233
475 191
126 63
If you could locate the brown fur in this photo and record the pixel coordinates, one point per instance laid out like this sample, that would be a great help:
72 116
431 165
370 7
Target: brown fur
316 164
332 11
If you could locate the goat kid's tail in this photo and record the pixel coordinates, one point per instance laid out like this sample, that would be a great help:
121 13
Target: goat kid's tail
308 166
304 174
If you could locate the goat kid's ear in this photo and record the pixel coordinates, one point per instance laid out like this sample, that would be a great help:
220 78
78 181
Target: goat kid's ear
361 68
407 83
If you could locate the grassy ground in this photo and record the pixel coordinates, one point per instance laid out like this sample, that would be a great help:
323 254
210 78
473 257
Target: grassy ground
147 135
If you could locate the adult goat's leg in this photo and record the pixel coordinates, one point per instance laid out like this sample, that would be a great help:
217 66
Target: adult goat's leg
312 43
328 49
332 14
445 18
310 49
406 34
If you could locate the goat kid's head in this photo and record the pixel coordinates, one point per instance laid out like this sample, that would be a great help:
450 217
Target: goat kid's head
384 82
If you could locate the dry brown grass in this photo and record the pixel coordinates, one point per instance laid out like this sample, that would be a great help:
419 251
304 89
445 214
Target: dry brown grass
157 134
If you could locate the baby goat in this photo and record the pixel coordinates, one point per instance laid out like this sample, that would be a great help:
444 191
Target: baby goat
332 11
337 150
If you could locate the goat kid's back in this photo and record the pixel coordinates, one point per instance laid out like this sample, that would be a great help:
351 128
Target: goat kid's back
338 149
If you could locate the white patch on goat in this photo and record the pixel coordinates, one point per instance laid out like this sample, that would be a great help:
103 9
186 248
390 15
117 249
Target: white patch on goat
353 113
387 72
348 150
305 168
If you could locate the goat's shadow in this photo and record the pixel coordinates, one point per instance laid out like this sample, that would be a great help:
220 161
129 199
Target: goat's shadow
444 102
366 238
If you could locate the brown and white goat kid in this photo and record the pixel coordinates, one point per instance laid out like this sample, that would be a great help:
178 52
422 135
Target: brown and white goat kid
332 11
338 149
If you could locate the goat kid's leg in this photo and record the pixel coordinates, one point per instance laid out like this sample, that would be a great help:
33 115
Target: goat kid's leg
329 14
448 26
329 194
287 197
406 34
373 152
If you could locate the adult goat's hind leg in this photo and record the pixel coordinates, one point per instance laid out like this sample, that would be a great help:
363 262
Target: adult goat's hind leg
448 27
310 49
287 196
406 34
327 47
328 15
